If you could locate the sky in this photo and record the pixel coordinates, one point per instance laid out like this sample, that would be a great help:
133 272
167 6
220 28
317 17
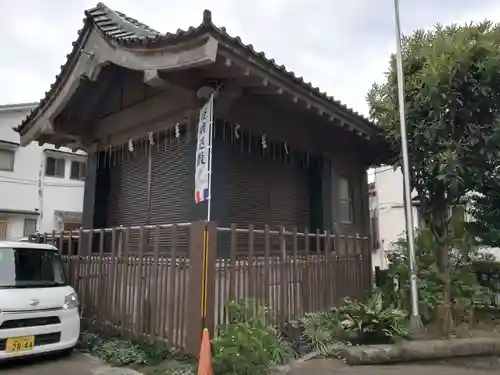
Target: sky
340 46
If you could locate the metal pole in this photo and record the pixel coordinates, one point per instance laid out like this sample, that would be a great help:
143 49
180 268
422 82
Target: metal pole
406 168
210 149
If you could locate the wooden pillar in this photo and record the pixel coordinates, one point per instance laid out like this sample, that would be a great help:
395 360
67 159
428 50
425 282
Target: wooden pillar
95 198
89 192
195 323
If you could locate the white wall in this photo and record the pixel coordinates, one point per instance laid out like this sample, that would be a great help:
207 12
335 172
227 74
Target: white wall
19 189
389 203
390 206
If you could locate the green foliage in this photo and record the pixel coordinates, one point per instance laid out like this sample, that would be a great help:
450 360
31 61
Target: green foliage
452 102
322 330
373 321
452 94
485 208
118 352
248 344
466 292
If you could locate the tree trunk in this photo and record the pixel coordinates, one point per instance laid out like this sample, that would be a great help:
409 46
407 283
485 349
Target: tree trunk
444 311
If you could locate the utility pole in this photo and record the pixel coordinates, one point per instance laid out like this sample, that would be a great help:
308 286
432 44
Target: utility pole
415 319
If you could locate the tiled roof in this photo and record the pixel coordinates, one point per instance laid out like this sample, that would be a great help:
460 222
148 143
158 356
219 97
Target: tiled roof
118 25
130 32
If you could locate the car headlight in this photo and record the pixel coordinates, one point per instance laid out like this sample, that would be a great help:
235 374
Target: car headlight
70 302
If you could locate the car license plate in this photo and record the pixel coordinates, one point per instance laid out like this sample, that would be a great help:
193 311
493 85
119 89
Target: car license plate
20 344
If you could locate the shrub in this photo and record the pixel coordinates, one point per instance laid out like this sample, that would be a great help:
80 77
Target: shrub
466 292
371 322
248 344
122 352
322 330
114 351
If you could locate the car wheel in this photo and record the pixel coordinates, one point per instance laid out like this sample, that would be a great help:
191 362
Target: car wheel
67 352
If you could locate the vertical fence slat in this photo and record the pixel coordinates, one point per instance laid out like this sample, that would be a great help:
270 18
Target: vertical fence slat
232 269
308 278
296 305
155 287
127 290
140 283
163 314
266 266
251 265
70 273
79 252
283 288
317 272
113 280
99 287
172 287
87 274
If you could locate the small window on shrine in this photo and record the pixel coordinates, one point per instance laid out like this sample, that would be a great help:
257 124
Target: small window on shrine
346 201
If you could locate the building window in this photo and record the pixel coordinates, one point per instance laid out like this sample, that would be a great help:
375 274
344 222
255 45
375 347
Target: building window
29 227
77 170
345 201
4 228
374 227
7 160
55 167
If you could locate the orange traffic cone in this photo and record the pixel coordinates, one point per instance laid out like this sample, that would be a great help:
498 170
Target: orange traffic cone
205 361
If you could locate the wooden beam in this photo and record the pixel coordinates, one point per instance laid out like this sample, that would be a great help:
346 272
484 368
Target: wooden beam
141 113
225 99
153 79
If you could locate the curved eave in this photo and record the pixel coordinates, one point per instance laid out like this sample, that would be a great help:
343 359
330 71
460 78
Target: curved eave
26 128
92 52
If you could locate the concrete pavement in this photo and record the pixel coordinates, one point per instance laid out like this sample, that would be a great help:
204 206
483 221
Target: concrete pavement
82 364
466 366
75 364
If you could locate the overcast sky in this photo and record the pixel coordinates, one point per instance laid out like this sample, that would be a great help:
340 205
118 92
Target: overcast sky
342 46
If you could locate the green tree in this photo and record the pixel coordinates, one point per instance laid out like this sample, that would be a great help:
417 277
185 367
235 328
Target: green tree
485 208
452 94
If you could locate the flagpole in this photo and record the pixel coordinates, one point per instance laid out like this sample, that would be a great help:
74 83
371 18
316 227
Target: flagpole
415 320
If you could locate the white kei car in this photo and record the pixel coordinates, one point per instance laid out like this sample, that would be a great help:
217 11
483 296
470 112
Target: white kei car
38 309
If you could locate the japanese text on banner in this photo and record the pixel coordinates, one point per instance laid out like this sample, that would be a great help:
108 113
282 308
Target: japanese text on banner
203 153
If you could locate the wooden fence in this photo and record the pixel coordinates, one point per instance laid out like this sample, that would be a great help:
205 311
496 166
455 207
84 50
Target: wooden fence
146 281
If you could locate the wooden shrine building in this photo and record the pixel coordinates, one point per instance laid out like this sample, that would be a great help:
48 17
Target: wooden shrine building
284 153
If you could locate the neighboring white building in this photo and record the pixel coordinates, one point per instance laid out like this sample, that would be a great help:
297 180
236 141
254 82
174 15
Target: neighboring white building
41 188
386 205
387 211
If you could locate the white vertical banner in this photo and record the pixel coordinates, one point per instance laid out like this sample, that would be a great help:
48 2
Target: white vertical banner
202 178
